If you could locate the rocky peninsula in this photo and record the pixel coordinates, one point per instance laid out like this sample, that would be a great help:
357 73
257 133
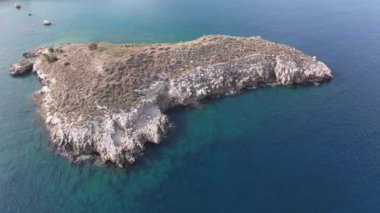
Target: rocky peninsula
106 101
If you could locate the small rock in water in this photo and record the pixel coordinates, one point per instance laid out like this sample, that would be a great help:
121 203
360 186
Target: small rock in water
26 54
18 6
29 14
24 67
47 23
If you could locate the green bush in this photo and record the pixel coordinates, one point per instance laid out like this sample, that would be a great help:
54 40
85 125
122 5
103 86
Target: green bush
92 46
50 58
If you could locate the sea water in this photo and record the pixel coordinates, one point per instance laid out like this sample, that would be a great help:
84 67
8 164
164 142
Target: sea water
311 149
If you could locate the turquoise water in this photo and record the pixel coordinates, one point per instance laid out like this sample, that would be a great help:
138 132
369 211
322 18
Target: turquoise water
313 149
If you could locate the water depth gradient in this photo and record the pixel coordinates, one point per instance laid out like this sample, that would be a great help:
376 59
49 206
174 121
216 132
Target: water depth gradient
313 149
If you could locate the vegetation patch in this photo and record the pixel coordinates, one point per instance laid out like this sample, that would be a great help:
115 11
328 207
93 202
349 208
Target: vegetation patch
50 58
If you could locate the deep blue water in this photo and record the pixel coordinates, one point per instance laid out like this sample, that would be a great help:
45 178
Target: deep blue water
313 149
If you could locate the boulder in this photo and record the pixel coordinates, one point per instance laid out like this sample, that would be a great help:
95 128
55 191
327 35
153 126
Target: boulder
46 23
21 68
26 55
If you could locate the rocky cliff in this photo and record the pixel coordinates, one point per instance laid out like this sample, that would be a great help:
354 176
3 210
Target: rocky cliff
106 101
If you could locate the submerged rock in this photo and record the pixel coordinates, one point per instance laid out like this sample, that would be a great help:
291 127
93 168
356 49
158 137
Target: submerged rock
18 6
111 100
21 68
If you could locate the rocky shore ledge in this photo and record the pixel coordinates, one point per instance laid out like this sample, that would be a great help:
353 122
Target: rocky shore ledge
104 101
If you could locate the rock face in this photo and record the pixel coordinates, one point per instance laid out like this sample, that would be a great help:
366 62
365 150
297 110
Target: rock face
21 68
109 101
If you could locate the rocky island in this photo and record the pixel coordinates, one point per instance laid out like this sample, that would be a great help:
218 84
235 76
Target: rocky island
104 101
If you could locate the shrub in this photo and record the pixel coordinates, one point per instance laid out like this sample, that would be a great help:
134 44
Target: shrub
92 46
50 58
51 49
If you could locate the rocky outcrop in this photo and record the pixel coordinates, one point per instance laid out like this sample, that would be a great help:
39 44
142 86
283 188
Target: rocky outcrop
107 102
23 67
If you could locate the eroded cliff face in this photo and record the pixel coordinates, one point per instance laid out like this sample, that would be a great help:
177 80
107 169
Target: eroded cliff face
107 102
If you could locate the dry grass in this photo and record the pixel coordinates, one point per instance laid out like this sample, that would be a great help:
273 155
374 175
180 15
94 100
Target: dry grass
111 76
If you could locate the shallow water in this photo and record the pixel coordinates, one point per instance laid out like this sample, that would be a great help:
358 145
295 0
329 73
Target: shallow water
313 149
